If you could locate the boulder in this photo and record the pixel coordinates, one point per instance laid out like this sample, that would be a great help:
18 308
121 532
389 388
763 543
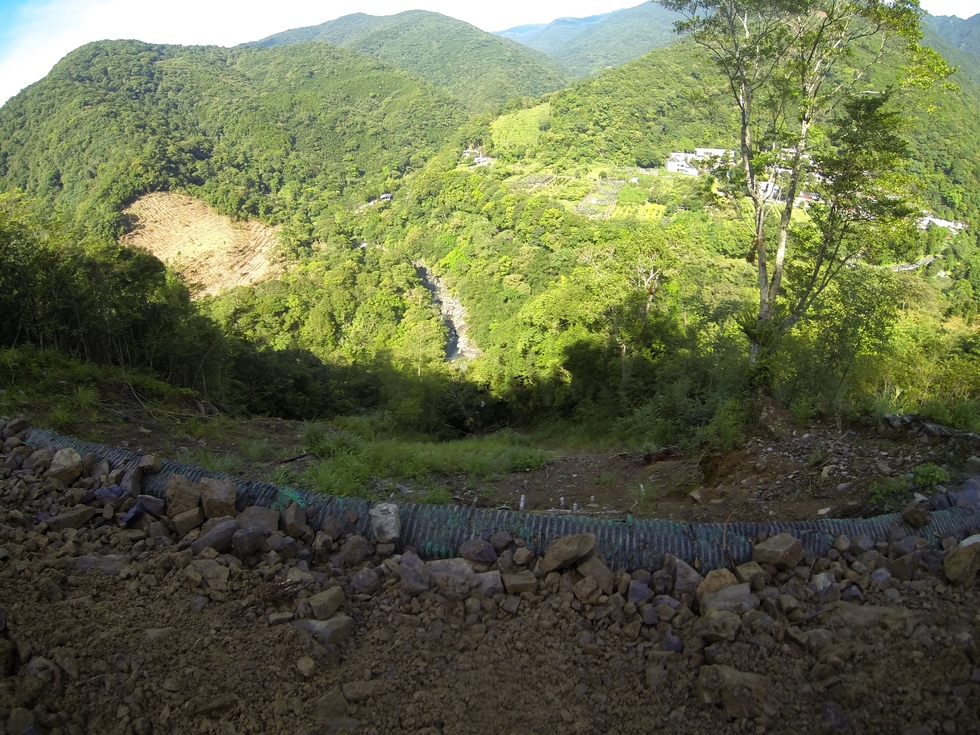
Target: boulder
415 575
740 693
451 572
294 521
182 495
73 518
567 550
737 598
187 521
325 604
715 580
386 524
686 579
783 551
218 497
596 568
66 466
478 550
961 564
218 537
263 519
523 581
717 625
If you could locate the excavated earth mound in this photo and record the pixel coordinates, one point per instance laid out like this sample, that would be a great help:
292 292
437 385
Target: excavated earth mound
124 613
209 250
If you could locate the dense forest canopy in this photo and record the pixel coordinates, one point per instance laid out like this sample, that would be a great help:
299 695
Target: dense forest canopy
481 70
598 286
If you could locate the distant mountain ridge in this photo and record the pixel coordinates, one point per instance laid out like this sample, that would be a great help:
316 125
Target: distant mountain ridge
959 33
582 46
478 68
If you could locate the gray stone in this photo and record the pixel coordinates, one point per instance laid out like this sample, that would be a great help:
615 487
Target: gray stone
66 466
113 564
355 550
490 583
714 581
182 495
386 525
280 618
638 593
501 540
451 572
74 518
752 574
717 625
187 521
686 579
218 537
478 550
596 568
648 614
263 519
415 575
333 631
783 551
285 546
736 598
360 691
567 550
585 588
150 464
331 705
366 582
153 505
247 542
18 424
325 604
824 587
218 497
516 584
903 567
740 693
294 521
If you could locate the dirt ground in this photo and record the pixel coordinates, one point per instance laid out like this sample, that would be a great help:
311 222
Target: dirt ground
209 250
113 627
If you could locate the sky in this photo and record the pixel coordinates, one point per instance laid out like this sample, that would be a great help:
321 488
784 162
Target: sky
35 34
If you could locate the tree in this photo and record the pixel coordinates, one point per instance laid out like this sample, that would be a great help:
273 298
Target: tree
800 76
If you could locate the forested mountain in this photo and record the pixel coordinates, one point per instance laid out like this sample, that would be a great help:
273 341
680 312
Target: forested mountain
582 46
478 68
599 288
957 32
283 134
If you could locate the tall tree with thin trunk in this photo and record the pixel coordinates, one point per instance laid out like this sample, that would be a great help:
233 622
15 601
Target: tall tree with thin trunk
810 120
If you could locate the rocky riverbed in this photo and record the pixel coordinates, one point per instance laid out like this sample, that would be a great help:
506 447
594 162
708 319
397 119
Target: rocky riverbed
126 613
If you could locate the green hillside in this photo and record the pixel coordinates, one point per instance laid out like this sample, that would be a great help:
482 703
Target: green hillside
582 46
478 68
274 133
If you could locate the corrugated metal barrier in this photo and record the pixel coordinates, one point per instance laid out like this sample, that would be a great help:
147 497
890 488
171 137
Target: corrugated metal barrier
437 531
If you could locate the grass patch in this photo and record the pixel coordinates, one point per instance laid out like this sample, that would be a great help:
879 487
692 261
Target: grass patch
349 468
256 450
214 462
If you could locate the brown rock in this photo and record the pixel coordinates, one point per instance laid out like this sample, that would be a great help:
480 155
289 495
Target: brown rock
214 574
740 693
717 625
567 550
783 551
523 581
594 567
294 520
74 518
66 466
185 522
182 495
331 706
326 603
916 516
218 497
358 691
714 581
263 519
961 564
333 631
150 464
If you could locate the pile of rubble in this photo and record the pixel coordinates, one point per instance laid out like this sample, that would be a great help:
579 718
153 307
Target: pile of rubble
123 612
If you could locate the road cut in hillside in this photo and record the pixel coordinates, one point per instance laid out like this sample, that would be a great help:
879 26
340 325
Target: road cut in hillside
210 251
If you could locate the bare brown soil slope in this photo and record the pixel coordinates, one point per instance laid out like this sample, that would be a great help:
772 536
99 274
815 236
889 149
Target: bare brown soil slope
209 250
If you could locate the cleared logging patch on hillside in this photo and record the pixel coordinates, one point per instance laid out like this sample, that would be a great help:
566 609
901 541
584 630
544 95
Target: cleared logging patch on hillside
210 251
